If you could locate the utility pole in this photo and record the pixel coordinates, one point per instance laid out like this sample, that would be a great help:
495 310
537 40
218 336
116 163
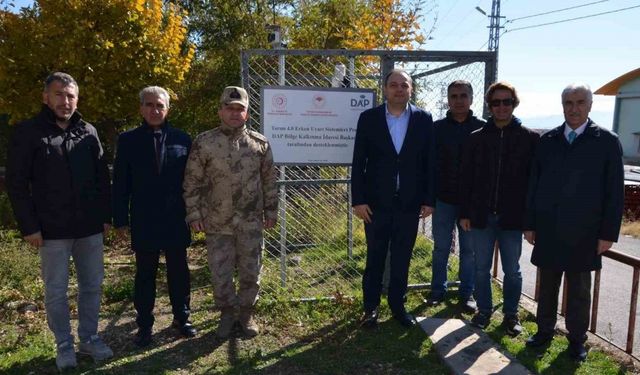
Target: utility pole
494 26
494 30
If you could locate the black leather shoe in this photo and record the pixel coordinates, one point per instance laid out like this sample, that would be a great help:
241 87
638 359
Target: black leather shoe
369 319
405 319
434 301
186 329
577 351
468 305
142 337
539 340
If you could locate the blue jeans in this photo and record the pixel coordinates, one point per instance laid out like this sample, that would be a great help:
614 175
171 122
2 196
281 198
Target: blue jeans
510 245
445 217
87 254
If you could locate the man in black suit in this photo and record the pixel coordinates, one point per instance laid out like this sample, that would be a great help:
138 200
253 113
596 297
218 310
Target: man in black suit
574 210
147 195
392 187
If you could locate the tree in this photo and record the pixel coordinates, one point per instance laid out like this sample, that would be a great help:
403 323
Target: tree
357 24
221 29
113 48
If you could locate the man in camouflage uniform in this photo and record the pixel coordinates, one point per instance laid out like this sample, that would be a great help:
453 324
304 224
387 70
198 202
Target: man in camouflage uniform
230 194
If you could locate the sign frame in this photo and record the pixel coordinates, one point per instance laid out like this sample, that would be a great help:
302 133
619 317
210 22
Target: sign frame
263 106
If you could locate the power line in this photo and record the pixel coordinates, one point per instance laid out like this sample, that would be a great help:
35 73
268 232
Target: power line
557 10
487 42
451 31
572 19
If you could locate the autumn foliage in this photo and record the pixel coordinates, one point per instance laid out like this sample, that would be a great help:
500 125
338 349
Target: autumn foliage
116 47
113 48
357 24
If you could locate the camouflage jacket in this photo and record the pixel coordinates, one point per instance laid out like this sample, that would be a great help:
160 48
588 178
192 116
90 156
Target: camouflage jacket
230 180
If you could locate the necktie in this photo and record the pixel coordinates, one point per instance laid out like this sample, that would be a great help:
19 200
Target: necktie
572 136
158 143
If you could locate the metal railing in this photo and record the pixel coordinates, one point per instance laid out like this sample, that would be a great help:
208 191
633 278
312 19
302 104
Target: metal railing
613 255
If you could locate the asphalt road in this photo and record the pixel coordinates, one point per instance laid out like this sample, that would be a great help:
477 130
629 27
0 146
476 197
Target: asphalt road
615 292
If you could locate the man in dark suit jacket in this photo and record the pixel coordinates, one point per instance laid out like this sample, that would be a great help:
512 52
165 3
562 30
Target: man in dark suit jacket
574 209
392 186
147 195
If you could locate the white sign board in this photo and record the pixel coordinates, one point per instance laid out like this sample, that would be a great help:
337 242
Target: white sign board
314 126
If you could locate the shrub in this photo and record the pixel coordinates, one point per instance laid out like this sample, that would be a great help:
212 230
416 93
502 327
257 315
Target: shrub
19 269
7 220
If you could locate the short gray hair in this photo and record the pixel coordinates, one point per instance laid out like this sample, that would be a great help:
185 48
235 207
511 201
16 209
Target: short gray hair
61 77
574 87
155 91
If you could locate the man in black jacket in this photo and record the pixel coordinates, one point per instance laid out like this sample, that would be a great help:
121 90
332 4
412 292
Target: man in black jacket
493 188
451 133
58 184
574 209
392 186
147 196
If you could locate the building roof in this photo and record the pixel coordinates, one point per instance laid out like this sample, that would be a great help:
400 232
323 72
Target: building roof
613 87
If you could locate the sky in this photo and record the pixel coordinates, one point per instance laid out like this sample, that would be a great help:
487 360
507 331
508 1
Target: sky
541 61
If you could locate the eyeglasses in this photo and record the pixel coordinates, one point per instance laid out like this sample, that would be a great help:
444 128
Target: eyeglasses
505 102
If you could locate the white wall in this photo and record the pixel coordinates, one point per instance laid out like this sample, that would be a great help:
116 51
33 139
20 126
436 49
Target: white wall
628 99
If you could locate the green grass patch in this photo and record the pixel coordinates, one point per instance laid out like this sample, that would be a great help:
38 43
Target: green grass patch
298 337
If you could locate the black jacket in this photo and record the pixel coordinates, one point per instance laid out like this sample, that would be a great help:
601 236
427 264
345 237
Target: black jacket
376 162
57 180
148 201
575 198
450 136
494 174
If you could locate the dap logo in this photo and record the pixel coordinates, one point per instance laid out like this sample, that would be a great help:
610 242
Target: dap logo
361 102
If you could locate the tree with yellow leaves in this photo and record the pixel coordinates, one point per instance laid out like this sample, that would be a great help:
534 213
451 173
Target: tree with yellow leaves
357 24
113 48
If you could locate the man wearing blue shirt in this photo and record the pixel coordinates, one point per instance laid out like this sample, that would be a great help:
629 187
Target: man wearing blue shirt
392 186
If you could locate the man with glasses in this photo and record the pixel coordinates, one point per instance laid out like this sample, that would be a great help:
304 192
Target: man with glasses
493 187
574 210
147 195
451 133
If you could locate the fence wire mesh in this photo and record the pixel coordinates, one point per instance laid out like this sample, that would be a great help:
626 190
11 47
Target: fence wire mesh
318 248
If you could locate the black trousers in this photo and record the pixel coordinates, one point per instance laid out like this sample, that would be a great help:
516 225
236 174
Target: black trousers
394 232
578 303
145 285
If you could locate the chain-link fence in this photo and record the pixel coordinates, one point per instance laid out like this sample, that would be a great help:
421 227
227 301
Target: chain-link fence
318 249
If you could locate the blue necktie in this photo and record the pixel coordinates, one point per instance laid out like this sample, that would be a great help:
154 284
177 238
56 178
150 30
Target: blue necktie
572 136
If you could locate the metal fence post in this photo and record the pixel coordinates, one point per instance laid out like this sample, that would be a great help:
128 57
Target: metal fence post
283 194
349 221
352 83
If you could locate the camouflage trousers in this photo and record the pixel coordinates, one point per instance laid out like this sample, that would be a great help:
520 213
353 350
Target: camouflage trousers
228 253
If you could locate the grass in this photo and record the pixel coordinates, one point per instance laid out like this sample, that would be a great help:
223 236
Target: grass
630 228
320 337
